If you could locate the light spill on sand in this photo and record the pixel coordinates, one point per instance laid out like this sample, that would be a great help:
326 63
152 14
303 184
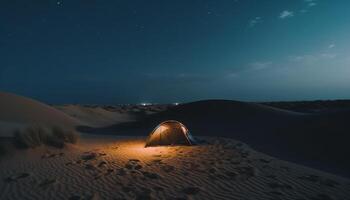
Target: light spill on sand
124 169
137 148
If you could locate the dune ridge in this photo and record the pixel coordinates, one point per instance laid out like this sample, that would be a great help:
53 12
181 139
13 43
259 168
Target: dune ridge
18 112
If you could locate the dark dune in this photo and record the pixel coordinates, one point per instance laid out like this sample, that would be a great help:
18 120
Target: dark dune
317 140
318 106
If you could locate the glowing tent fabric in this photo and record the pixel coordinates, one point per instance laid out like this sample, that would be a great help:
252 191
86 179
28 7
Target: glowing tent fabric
170 133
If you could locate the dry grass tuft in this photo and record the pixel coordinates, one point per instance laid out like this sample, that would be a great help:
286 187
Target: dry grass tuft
36 135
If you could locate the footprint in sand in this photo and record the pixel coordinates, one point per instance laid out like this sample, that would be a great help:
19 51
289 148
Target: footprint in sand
247 172
109 171
191 166
121 172
168 168
115 148
90 166
133 165
102 164
138 167
150 175
89 156
129 166
157 161
17 177
47 182
49 155
70 163
98 176
191 190
102 154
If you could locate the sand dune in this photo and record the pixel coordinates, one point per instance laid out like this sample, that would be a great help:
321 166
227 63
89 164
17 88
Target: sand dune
112 168
107 115
312 106
17 112
115 167
317 140
95 116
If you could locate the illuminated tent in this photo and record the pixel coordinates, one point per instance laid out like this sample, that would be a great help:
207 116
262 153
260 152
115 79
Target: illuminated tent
170 133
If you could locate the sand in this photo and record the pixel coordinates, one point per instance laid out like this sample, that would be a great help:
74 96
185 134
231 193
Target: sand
95 116
119 167
100 116
116 168
317 140
18 112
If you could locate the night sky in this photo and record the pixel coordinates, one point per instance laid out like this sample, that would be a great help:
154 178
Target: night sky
165 51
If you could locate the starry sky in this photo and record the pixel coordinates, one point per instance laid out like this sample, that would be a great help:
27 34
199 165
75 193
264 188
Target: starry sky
165 51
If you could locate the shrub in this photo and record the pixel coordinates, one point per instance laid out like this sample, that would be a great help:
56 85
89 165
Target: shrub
72 136
31 137
68 136
35 135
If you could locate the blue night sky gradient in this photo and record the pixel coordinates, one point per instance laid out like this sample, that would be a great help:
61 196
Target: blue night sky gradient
130 51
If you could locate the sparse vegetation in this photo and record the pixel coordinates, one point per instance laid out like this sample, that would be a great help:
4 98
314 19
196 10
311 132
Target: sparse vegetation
66 135
35 135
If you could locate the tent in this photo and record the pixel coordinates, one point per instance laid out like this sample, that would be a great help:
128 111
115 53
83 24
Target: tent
170 132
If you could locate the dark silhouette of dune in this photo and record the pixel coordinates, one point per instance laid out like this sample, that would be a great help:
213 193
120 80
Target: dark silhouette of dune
317 140
317 106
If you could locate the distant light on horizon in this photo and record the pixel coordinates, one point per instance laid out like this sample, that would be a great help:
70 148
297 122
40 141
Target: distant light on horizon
146 104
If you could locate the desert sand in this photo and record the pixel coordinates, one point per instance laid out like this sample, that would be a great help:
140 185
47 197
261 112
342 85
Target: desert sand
95 116
116 165
117 168
17 112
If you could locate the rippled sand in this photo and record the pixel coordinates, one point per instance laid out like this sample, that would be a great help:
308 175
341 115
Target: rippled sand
111 168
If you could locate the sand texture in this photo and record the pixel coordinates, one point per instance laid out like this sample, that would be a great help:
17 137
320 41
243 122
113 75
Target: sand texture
18 112
112 168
